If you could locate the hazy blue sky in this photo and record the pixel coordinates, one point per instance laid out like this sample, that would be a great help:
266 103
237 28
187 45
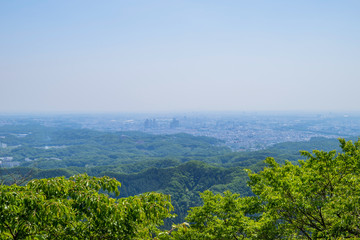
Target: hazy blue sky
179 55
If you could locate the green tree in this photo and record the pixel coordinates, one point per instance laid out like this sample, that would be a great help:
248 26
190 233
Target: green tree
73 208
317 199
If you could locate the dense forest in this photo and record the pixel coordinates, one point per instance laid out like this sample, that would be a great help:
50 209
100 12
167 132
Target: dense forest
193 171
315 199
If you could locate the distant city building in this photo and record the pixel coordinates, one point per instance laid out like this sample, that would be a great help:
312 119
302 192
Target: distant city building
174 123
150 123
9 164
20 135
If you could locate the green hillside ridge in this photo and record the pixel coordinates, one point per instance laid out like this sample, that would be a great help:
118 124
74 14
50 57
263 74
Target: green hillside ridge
47 147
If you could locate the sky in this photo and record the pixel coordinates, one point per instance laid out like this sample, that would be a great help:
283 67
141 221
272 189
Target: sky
179 55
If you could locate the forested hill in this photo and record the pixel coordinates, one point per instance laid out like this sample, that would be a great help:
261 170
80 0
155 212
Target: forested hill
45 148
183 183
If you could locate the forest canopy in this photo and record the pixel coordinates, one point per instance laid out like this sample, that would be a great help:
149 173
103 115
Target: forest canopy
318 198
73 208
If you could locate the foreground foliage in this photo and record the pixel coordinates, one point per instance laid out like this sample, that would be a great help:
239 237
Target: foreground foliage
60 208
317 199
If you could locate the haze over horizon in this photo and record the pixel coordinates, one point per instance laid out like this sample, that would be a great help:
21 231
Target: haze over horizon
135 56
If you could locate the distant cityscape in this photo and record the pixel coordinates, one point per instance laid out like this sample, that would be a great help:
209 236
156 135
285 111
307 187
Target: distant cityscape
239 131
